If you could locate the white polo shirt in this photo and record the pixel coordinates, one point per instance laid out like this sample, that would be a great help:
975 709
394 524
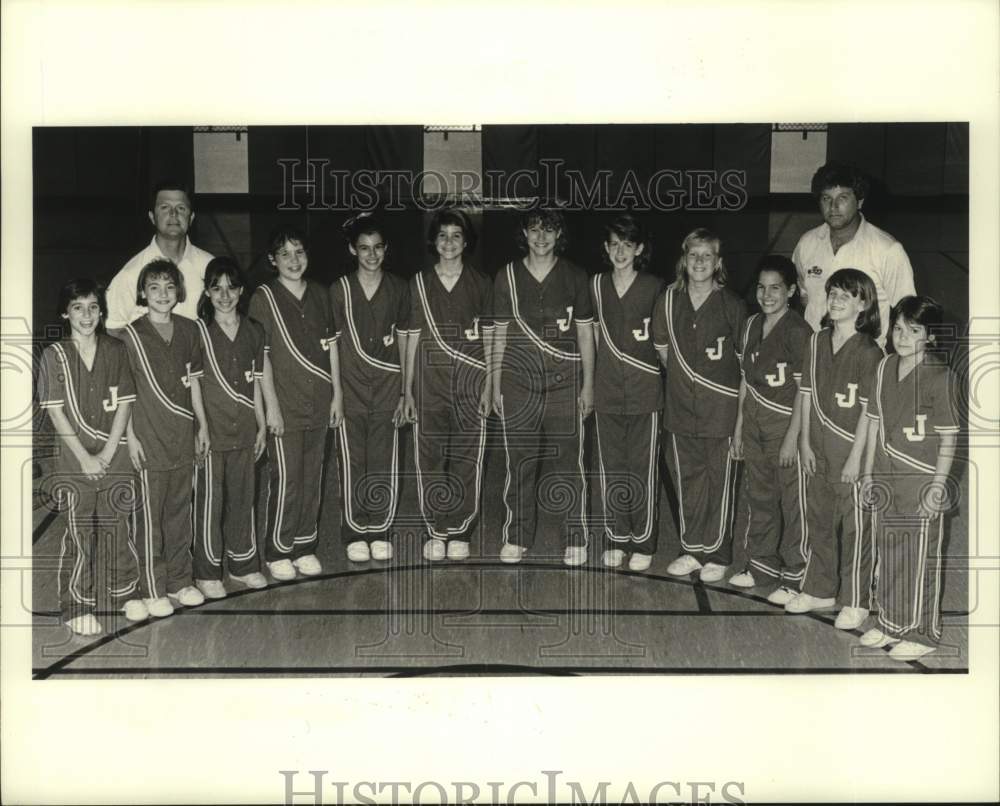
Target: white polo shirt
121 293
871 250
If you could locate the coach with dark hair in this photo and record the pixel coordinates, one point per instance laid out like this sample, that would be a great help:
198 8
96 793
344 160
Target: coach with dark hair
847 241
171 214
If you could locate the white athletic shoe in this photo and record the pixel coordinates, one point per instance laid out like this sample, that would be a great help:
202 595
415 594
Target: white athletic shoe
511 553
574 555
159 607
850 618
805 603
909 650
188 596
640 562
713 572
381 550
357 552
435 549
135 610
308 565
683 565
458 549
612 558
283 570
744 579
783 596
87 624
876 639
254 580
211 588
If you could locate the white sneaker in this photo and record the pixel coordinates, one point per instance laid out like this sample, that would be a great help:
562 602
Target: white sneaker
308 565
744 579
876 639
87 624
806 603
612 558
683 565
850 618
255 580
282 570
574 555
188 596
357 552
135 610
435 549
640 562
712 572
381 550
211 588
159 607
782 596
909 650
458 549
511 553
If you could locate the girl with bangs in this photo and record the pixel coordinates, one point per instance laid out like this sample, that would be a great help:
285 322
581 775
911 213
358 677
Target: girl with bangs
233 348
697 323
543 383
628 395
837 382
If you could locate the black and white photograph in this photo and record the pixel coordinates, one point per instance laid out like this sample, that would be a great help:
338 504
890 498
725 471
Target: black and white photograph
372 450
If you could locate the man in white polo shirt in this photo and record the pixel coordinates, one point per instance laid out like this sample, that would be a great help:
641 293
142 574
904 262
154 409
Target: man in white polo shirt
847 241
172 216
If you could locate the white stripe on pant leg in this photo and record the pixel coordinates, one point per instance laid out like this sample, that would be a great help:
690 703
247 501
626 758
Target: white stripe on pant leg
650 479
604 487
724 508
506 486
918 605
936 604
393 476
345 479
680 491
479 472
302 539
279 510
856 555
804 549
252 551
420 484
147 514
80 558
204 474
583 482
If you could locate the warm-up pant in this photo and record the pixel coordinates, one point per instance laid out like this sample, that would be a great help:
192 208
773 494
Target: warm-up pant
96 525
163 538
908 577
705 480
295 478
627 458
368 460
777 537
448 455
538 426
224 519
840 544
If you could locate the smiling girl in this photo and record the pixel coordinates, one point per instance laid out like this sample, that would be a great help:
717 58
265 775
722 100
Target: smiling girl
233 347
165 354
836 385
87 389
767 431
301 400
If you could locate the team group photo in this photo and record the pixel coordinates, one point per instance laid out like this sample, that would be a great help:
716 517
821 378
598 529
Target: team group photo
534 399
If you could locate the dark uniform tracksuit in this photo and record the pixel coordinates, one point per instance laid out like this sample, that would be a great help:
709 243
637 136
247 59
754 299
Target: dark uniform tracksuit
840 552
367 444
912 414
540 383
297 338
224 521
449 435
777 539
628 396
702 398
164 424
93 512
